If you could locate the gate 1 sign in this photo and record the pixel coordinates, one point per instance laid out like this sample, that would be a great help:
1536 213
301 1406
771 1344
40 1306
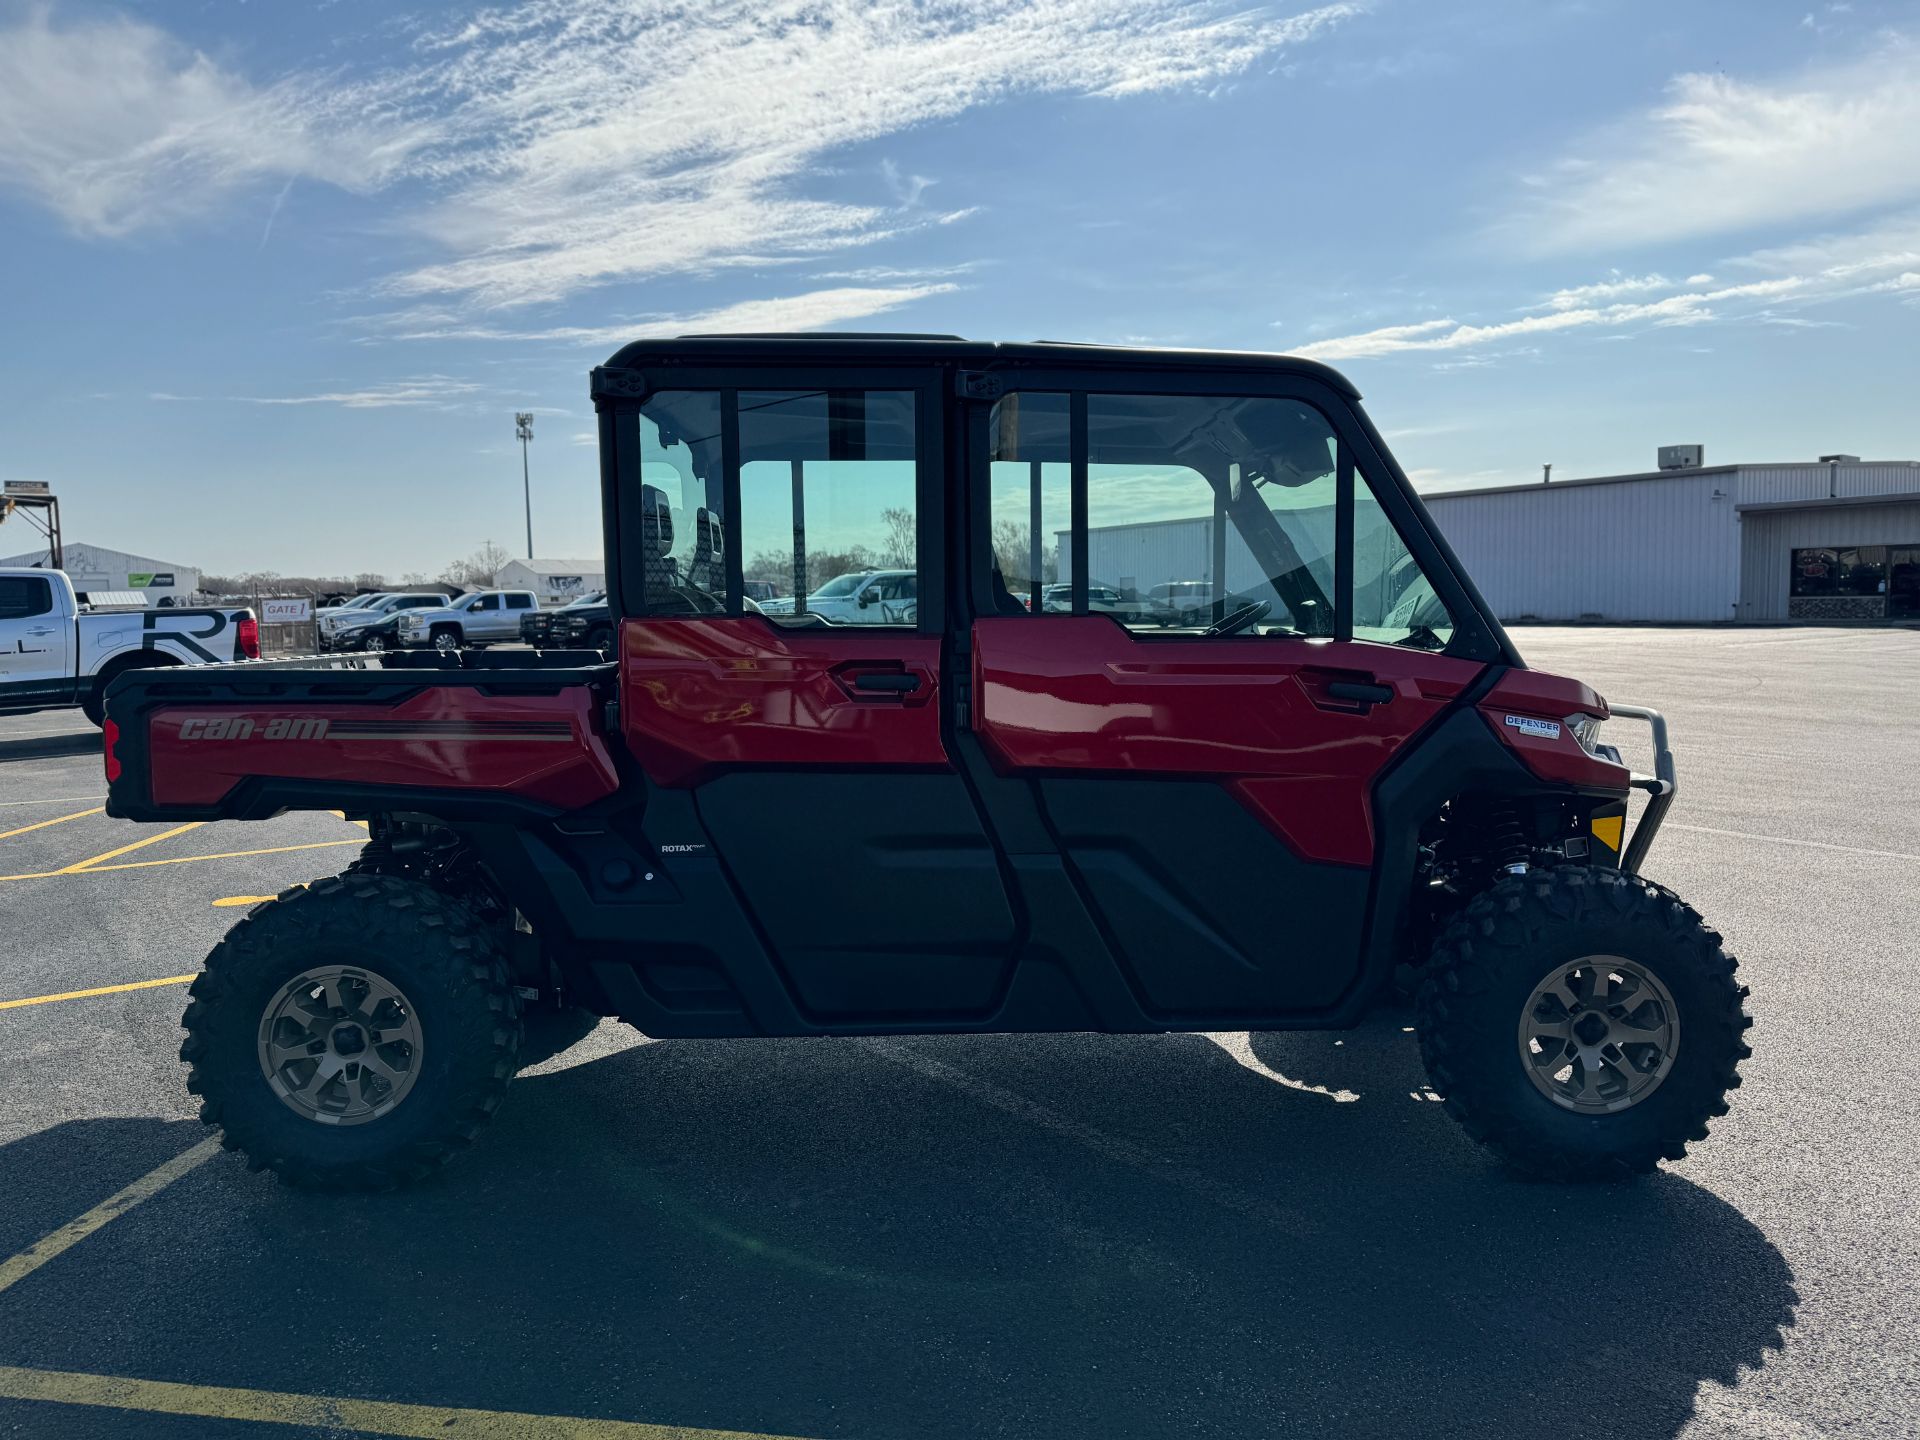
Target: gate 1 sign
286 612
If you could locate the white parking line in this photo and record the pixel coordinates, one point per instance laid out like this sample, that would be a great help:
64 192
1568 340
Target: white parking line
50 800
1789 840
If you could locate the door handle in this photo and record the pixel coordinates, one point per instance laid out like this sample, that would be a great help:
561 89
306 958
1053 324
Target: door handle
892 682
41 630
1361 694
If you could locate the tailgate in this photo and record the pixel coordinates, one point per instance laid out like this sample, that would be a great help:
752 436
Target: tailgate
244 742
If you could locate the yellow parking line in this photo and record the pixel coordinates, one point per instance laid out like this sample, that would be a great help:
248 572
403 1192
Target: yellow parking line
74 1231
228 902
379 1417
77 815
79 865
226 855
94 868
100 990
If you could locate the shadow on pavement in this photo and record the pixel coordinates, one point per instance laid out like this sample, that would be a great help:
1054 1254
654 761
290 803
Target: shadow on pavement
958 1237
43 747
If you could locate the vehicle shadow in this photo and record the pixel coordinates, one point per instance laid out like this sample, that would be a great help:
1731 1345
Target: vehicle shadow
46 747
1067 1235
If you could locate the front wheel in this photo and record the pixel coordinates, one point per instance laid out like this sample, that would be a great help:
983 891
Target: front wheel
352 1034
1582 1024
446 641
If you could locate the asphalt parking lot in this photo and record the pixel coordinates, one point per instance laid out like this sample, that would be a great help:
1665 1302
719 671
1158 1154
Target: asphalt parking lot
1226 1235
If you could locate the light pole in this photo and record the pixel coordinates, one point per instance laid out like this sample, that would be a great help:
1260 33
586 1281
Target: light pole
523 430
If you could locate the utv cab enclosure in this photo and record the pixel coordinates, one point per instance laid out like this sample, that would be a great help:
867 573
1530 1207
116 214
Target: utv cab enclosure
986 811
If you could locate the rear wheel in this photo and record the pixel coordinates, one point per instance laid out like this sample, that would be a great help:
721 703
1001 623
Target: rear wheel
1582 1024
354 1034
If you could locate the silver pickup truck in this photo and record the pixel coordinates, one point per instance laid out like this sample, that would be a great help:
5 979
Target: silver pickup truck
56 653
479 618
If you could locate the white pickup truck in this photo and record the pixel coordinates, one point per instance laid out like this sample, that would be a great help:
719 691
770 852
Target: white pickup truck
56 652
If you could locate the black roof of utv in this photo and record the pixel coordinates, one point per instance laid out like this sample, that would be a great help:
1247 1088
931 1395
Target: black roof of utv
862 348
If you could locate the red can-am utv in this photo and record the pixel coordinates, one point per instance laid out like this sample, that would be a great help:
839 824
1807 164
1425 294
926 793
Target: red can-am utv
962 765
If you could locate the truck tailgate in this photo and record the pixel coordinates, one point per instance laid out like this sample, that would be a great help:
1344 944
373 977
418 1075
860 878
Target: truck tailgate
244 742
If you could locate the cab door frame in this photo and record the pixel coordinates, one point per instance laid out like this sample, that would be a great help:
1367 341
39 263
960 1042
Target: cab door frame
1017 802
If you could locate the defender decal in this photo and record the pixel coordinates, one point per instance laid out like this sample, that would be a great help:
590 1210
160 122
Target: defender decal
1527 725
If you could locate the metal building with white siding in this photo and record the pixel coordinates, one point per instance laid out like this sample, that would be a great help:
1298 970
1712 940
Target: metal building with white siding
1837 539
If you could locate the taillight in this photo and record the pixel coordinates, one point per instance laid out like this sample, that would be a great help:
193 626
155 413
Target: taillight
250 637
110 732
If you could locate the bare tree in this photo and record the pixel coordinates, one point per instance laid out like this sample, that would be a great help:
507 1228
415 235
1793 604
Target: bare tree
898 551
478 570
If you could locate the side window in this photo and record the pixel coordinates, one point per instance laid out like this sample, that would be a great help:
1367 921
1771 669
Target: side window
1217 515
519 602
1393 601
828 495
1030 479
1201 508
487 602
24 596
670 455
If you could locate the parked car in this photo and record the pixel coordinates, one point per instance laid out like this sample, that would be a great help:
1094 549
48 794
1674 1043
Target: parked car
478 618
357 602
865 597
586 626
1006 822
536 627
337 631
56 653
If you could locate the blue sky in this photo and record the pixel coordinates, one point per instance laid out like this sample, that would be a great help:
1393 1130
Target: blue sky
277 275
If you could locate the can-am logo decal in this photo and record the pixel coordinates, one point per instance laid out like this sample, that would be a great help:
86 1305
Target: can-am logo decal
1527 725
239 727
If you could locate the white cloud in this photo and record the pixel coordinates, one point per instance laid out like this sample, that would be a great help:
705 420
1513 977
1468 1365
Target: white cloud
116 127
1722 155
1576 296
555 145
815 310
1692 307
436 391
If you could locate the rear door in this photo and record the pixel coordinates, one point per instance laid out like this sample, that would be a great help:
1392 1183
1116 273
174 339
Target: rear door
519 605
810 750
1204 751
36 644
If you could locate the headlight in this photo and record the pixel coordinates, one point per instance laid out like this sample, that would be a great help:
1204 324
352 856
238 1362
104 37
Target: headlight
1585 730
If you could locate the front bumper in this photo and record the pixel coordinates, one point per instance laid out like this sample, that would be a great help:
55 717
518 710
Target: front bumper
1661 786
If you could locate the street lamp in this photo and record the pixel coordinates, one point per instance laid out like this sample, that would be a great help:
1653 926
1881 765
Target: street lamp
523 431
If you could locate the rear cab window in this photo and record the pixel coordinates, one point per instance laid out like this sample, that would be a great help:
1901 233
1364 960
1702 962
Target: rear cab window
826 529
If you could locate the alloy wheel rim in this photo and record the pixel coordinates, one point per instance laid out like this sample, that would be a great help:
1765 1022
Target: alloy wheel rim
340 1045
1599 1034
445 643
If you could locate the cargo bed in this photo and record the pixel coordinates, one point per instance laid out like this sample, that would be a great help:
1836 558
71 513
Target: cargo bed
504 731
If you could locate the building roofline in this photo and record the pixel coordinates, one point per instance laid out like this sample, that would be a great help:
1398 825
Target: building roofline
1540 488
1537 487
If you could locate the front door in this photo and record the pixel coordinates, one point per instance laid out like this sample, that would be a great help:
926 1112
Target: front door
36 645
809 746
1203 742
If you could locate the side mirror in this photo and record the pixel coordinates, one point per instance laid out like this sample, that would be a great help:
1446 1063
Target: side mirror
866 599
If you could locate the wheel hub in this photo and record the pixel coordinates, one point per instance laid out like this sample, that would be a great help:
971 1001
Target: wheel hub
1599 1034
340 1045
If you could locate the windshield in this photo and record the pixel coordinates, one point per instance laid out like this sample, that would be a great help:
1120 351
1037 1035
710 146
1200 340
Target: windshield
837 587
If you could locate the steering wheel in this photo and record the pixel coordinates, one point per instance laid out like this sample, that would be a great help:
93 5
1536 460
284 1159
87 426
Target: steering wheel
1235 621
